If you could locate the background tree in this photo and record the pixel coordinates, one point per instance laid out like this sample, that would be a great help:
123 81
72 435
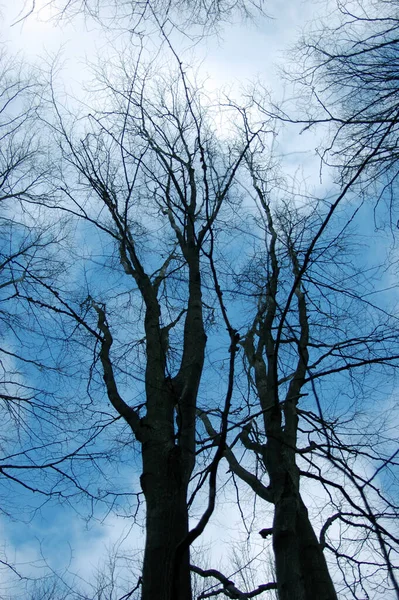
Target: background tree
348 73
191 16
45 444
27 262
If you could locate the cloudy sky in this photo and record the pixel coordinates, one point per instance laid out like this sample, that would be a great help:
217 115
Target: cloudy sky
239 56
231 62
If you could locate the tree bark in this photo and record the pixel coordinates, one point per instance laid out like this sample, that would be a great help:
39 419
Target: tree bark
168 450
165 489
301 568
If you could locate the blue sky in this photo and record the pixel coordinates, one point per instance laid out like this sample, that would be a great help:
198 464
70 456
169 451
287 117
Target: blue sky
241 55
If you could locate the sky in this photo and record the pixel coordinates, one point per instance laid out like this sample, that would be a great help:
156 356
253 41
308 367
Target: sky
231 63
241 55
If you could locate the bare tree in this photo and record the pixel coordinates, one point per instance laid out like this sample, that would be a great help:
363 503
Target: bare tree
150 177
25 257
348 74
149 162
171 280
192 16
42 434
306 329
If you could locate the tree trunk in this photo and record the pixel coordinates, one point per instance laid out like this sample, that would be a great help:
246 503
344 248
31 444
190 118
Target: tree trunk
164 484
301 568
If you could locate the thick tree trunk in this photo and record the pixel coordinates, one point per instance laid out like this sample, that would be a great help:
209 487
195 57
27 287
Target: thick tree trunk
318 583
165 488
301 568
